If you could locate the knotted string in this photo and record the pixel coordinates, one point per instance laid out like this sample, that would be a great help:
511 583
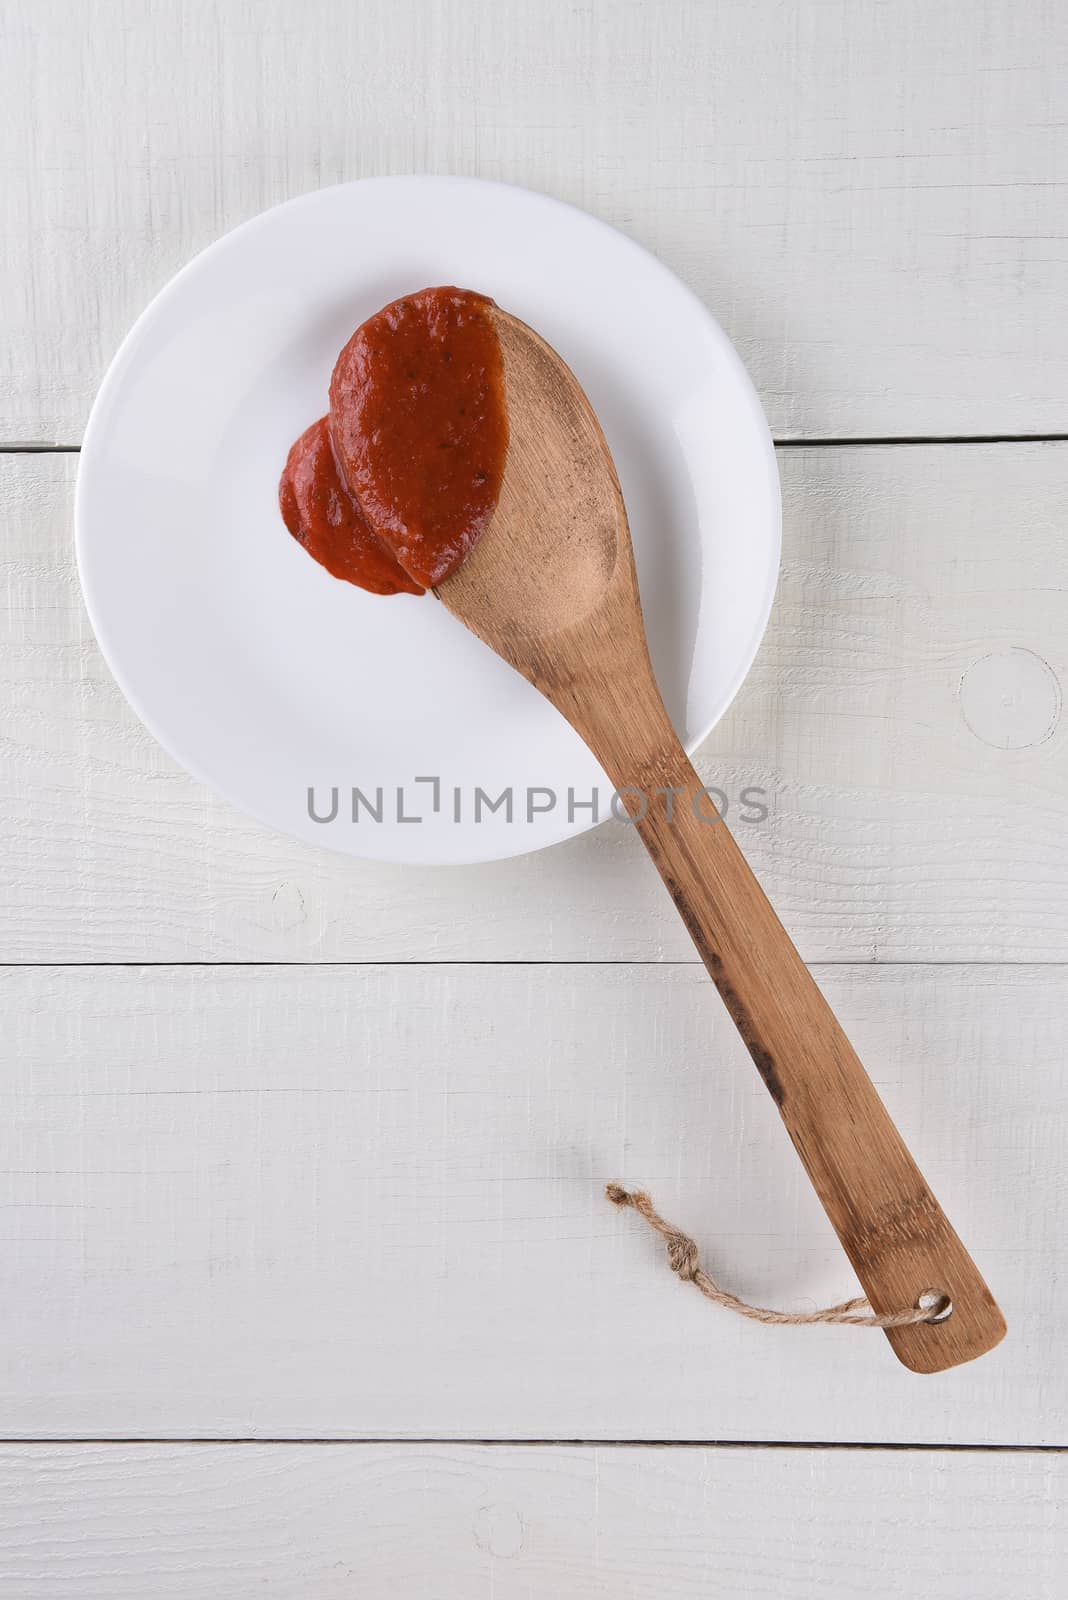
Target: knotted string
684 1261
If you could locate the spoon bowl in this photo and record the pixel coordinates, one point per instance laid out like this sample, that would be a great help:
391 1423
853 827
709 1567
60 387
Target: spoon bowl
560 477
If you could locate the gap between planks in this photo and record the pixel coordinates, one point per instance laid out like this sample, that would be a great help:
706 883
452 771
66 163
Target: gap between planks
35 447
506 961
273 1440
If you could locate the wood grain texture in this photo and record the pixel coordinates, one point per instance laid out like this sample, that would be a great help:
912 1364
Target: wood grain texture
898 829
869 197
551 587
217 1522
335 1201
369 1202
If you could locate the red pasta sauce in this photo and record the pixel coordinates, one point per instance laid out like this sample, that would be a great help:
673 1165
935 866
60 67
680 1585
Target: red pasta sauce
394 485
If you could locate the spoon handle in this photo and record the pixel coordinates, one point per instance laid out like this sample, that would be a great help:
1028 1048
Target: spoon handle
892 1228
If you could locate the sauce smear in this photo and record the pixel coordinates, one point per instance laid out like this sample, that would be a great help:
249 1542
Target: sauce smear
391 489
324 517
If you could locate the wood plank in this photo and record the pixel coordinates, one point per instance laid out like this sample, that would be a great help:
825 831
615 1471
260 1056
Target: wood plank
368 1202
919 630
507 1523
878 226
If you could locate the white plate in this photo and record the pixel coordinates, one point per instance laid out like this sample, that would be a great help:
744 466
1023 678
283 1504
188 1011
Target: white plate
266 677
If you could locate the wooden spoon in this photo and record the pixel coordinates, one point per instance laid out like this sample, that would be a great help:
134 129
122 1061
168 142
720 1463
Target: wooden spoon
551 587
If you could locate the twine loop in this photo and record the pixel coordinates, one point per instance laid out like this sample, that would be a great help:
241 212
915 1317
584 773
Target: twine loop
685 1261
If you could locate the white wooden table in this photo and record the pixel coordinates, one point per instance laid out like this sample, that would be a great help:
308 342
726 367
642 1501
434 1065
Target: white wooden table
308 1283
